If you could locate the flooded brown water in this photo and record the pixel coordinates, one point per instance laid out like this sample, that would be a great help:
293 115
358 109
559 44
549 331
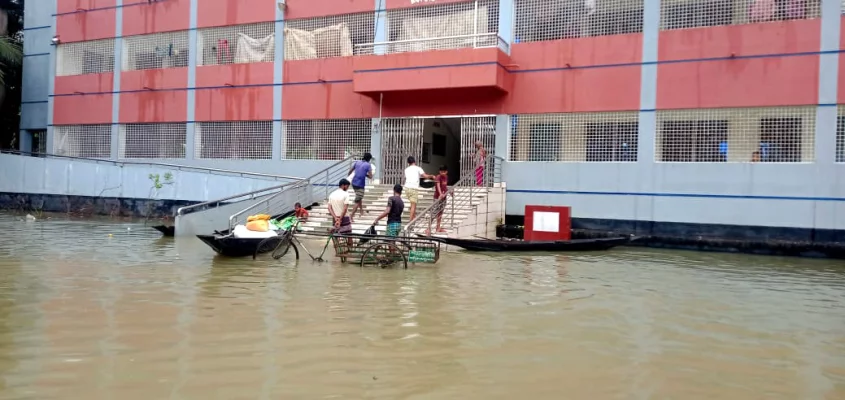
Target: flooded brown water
85 315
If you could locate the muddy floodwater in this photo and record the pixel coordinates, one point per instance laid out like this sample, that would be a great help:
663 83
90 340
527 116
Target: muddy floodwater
111 310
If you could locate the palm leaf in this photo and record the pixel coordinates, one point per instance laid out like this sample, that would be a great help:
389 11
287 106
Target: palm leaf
11 55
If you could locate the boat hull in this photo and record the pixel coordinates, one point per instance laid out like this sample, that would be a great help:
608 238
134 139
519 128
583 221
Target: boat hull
231 246
518 246
168 231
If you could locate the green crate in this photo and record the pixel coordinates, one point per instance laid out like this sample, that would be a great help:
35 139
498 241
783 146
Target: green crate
421 256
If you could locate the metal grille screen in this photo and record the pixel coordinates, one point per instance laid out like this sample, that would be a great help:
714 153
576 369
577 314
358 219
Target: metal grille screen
158 50
152 141
332 139
89 141
79 58
575 137
234 140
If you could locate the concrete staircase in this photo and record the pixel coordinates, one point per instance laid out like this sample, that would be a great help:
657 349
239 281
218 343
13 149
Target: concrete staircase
375 202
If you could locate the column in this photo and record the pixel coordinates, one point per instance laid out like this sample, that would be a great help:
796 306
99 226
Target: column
507 20
190 123
381 34
375 149
503 134
278 78
25 141
118 66
648 87
826 115
51 85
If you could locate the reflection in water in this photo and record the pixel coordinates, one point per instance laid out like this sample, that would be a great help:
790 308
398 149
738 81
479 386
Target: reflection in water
132 315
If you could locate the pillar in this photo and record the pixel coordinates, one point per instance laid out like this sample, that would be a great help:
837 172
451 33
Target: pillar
118 67
278 78
190 123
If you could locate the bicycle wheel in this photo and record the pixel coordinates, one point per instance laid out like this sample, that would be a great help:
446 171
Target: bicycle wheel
384 255
265 246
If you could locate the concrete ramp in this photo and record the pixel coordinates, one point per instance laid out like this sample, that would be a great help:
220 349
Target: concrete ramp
205 222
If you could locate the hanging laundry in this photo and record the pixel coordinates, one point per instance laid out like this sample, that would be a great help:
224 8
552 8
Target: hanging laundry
590 5
255 50
224 53
762 10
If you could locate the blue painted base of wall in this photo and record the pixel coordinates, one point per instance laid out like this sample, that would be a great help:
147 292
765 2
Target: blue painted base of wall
82 206
710 237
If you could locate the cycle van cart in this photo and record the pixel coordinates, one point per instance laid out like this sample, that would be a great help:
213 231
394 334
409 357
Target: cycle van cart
376 250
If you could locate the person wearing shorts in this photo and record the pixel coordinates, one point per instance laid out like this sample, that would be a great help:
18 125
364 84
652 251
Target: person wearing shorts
362 169
413 174
337 208
393 212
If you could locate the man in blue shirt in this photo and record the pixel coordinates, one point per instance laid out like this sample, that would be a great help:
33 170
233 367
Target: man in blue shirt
362 170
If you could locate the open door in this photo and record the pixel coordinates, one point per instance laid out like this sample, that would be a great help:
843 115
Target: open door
400 138
477 129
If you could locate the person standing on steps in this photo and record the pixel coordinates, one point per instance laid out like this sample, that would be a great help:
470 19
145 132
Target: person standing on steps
480 162
412 184
360 171
393 212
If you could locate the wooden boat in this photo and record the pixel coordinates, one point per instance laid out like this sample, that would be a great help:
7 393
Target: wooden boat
519 245
231 246
168 231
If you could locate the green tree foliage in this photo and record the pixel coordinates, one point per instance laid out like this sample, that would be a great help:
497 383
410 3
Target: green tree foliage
11 60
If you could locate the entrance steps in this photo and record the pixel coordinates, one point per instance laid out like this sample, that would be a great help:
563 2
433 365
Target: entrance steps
375 202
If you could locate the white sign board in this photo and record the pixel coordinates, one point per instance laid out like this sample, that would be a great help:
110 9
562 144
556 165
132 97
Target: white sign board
546 221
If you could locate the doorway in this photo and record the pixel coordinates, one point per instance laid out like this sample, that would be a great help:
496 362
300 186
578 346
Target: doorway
434 142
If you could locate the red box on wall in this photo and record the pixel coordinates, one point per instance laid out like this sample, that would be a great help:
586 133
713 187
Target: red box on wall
548 223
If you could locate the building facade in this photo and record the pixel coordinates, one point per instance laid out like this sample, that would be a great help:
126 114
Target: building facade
696 115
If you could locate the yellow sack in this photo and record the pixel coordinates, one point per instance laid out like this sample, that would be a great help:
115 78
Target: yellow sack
261 225
259 217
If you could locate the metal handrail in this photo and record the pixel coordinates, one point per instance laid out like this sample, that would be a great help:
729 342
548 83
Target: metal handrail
166 165
253 194
467 182
298 184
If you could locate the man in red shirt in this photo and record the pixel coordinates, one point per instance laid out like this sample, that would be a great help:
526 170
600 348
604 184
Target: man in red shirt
441 188
300 212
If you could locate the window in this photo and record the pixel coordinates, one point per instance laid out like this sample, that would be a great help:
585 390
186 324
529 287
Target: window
545 142
331 36
333 139
539 20
237 44
152 141
613 141
240 140
780 139
694 141
88 141
840 139
441 27
79 58
155 51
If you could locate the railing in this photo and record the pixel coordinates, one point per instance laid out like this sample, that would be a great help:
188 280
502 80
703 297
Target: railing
460 196
478 41
306 191
212 171
235 198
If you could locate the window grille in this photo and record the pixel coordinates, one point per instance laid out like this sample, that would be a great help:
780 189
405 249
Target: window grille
325 37
770 134
237 44
682 14
538 20
575 137
79 58
158 50
333 139
235 140
441 27
89 141
840 136
152 141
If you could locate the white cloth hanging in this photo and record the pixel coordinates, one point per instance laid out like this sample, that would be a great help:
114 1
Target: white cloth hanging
252 50
591 6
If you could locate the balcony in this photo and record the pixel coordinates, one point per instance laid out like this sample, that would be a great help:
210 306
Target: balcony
463 62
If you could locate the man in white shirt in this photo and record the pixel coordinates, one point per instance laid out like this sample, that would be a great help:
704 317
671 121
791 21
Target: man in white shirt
338 208
412 184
